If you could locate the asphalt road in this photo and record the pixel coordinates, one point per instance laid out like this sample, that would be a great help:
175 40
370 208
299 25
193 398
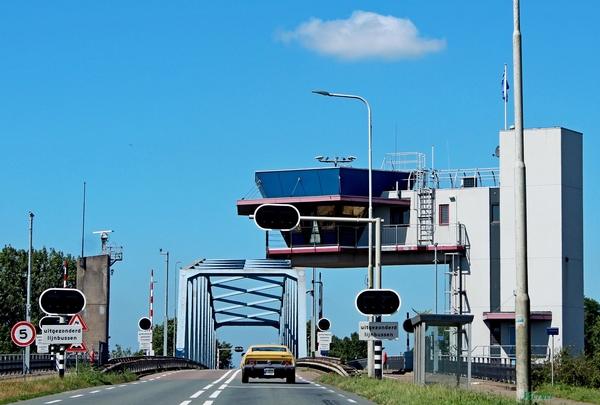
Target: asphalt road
206 387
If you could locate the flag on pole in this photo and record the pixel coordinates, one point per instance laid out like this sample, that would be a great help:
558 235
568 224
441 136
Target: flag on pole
505 86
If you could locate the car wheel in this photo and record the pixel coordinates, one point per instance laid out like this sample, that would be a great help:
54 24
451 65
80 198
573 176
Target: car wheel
244 377
291 378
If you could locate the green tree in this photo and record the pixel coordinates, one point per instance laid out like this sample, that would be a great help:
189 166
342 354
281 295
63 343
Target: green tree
225 354
46 272
158 336
348 348
591 326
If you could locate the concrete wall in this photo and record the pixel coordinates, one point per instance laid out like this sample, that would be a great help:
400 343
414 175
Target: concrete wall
93 280
554 176
553 159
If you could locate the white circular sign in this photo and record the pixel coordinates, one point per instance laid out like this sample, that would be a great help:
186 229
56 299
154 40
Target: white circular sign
23 333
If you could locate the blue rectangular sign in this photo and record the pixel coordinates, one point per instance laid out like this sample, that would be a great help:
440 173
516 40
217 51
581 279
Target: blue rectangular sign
552 331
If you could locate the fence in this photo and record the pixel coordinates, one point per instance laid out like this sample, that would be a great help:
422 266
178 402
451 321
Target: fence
322 234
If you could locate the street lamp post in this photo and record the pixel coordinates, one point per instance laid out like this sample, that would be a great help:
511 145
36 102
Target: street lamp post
175 311
27 357
166 321
370 255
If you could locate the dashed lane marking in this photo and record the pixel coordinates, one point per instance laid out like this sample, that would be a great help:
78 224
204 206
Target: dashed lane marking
197 394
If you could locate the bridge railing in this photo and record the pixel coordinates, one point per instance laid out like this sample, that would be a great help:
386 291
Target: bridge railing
149 364
327 365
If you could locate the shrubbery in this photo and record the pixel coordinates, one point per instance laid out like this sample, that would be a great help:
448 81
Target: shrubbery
576 370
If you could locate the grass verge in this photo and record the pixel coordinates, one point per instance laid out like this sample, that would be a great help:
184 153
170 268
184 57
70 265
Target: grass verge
20 390
392 392
580 394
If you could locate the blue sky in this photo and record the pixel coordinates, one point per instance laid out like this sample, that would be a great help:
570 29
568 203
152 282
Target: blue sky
166 110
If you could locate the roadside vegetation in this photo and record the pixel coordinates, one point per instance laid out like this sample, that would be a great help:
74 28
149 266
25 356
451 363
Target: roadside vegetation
392 392
21 389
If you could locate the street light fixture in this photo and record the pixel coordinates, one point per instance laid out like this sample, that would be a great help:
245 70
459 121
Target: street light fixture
166 321
370 256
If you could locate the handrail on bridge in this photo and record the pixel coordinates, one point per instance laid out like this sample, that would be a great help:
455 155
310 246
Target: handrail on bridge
327 365
149 364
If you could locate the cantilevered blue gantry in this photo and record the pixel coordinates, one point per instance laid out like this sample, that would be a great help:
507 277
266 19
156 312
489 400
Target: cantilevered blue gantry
218 293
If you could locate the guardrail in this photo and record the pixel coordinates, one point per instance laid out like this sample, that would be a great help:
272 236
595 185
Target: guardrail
327 365
149 364
13 363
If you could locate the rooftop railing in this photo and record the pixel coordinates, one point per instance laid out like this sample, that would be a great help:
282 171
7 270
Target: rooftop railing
392 236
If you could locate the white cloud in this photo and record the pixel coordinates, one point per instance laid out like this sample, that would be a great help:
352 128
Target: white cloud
364 35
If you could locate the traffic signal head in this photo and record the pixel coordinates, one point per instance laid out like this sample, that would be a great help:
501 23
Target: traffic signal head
282 217
49 320
324 324
145 323
62 301
238 349
378 302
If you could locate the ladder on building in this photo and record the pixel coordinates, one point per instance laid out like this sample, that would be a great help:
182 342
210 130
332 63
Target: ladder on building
454 285
425 215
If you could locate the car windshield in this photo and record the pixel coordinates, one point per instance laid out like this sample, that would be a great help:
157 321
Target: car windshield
268 349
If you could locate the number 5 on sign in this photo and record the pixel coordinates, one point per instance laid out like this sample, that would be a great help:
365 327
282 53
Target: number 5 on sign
23 333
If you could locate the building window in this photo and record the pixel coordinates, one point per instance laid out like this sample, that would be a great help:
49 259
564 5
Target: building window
495 212
399 216
444 214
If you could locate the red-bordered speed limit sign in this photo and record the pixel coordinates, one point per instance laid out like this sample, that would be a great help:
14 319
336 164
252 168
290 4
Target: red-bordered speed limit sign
23 333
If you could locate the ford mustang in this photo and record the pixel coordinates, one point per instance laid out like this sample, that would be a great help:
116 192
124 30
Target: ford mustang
268 361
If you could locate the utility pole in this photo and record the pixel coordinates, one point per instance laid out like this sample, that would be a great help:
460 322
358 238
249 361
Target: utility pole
522 303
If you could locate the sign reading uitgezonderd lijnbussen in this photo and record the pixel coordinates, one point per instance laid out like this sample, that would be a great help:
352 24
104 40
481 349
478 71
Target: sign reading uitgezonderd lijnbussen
62 334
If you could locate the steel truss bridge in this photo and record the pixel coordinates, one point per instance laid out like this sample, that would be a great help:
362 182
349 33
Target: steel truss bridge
218 293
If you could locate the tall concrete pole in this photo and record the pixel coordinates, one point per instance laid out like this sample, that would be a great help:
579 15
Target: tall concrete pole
522 305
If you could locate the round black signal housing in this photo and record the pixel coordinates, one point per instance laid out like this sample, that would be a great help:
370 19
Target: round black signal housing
324 324
284 217
238 349
378 302
62 301
49 320
145 323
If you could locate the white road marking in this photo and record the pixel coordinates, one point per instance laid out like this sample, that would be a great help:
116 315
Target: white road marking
224 375
109 388
197 394
223 386
232 377
185 403
351 400
93 392
53 402
208 403
215 394
76 396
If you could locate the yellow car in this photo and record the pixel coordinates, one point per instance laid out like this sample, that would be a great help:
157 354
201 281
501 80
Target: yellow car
268 361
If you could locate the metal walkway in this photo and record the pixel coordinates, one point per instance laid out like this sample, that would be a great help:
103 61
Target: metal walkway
218 293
